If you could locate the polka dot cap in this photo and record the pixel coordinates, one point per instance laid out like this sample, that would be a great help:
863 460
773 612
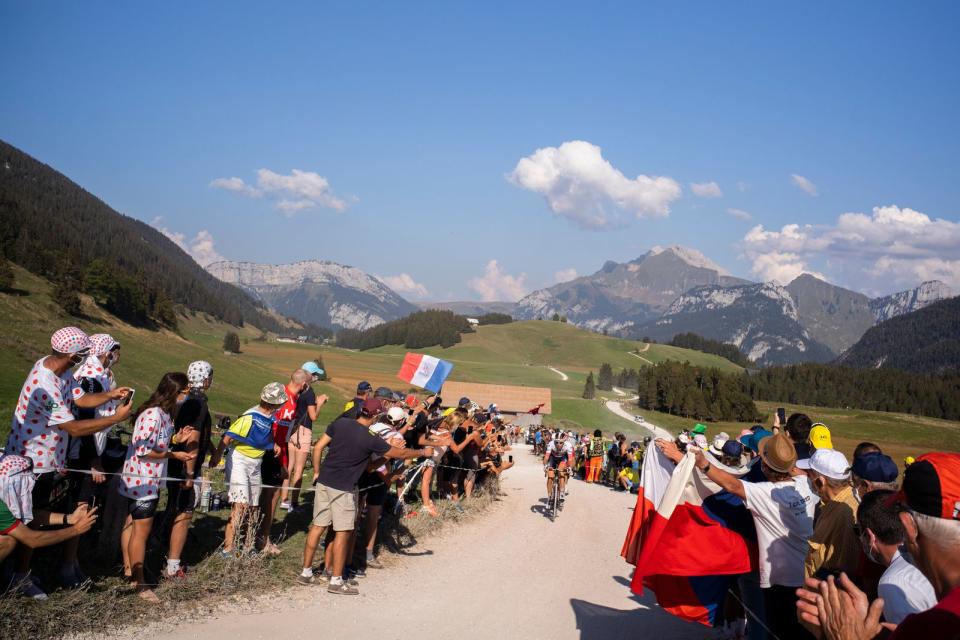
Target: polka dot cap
101 343
198 372
69 340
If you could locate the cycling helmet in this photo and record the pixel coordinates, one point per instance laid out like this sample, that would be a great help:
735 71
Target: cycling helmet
199 372
396 415
101 343
70 341
312 368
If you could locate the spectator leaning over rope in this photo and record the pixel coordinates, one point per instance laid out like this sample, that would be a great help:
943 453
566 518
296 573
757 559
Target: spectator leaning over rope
300 437
191 433
335 484
16 510
143 469
929 509
249 437
41 426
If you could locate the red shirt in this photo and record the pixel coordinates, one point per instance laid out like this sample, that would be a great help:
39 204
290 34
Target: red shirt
282 420
939 623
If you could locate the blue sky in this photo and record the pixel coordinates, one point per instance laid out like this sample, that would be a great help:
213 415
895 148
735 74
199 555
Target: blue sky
417 116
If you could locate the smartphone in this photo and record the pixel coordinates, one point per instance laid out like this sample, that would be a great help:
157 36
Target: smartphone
129 397
92 502
510 458
782 415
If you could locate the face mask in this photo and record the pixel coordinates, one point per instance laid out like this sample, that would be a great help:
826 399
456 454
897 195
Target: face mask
868 549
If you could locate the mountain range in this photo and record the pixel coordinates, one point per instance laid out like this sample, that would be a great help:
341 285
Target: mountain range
676 290
317 291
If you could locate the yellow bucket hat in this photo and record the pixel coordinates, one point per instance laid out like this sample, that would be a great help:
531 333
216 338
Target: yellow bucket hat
820 436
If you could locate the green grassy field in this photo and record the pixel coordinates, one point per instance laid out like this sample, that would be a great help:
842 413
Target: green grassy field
516 353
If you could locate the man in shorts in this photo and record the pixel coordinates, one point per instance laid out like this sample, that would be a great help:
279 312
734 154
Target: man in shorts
335 482
251 435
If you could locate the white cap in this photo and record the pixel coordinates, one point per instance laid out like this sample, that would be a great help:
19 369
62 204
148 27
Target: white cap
396 414
827 462
701 441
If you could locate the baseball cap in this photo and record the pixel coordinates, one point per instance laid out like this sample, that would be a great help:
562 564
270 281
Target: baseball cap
752 441
827 462
273 393
701 441
732 448
364 386
198 371
875 467
70 340
931 485
820 436
384 393
778 452
716 447
312 368
699 428
370 407
463 401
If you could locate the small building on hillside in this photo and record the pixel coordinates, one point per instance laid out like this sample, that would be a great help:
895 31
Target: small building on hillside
473 322
511 399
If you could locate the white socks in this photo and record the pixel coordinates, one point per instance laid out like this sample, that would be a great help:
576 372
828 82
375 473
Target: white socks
336 581
307 572
172 566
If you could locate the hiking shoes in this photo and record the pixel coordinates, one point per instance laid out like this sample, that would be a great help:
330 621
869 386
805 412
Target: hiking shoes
302 579
374 563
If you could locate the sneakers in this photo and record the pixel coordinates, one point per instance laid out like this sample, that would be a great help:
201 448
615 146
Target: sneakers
27 587
302 579
374 563
358 572
344 589
179 574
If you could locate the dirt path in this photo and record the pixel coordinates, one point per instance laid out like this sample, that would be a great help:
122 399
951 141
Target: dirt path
559 373
510 574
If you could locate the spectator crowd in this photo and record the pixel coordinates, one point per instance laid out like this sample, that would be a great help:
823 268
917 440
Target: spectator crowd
846 548
64 465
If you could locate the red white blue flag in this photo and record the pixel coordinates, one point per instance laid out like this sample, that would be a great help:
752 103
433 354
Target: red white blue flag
687 539
425 371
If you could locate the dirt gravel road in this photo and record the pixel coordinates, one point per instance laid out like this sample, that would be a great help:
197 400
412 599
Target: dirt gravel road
511 573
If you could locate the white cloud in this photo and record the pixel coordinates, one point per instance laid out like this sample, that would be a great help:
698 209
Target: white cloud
565 275
739 214
891 247
404 284
579 184
291 193
497 285
804 184
780 267
236 185
200 247
706 189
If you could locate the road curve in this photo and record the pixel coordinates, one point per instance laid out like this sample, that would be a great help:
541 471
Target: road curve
510 573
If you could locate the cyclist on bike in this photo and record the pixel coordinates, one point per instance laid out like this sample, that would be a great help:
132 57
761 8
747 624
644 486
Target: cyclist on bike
558 457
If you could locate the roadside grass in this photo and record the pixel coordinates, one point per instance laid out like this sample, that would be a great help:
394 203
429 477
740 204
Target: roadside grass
214 583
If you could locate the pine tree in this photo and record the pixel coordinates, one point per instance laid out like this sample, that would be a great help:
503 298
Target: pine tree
605 377
231 342
589 389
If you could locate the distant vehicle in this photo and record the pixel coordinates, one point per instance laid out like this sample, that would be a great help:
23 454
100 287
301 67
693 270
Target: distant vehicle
638 419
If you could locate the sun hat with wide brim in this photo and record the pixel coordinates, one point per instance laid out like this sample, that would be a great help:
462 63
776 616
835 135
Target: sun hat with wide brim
778 452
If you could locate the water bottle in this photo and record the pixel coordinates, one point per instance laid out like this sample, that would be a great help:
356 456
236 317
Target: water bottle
205 497
216 502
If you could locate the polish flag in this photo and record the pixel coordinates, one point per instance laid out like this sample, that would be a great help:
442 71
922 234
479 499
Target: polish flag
425 371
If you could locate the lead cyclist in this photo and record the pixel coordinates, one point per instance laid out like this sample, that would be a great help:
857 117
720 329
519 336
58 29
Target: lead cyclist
558 458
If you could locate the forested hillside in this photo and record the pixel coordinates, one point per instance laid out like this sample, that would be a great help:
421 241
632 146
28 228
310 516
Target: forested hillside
55 228
936 396
416 331
706 345
924 341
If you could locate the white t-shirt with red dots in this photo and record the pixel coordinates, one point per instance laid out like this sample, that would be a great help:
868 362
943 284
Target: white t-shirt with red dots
46 402
140 479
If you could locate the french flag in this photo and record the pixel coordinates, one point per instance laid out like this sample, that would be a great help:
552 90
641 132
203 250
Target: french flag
425 371
687 539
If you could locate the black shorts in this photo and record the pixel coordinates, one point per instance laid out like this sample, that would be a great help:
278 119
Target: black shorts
181 499
271 471
141 509
54 492
373 488
554 462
